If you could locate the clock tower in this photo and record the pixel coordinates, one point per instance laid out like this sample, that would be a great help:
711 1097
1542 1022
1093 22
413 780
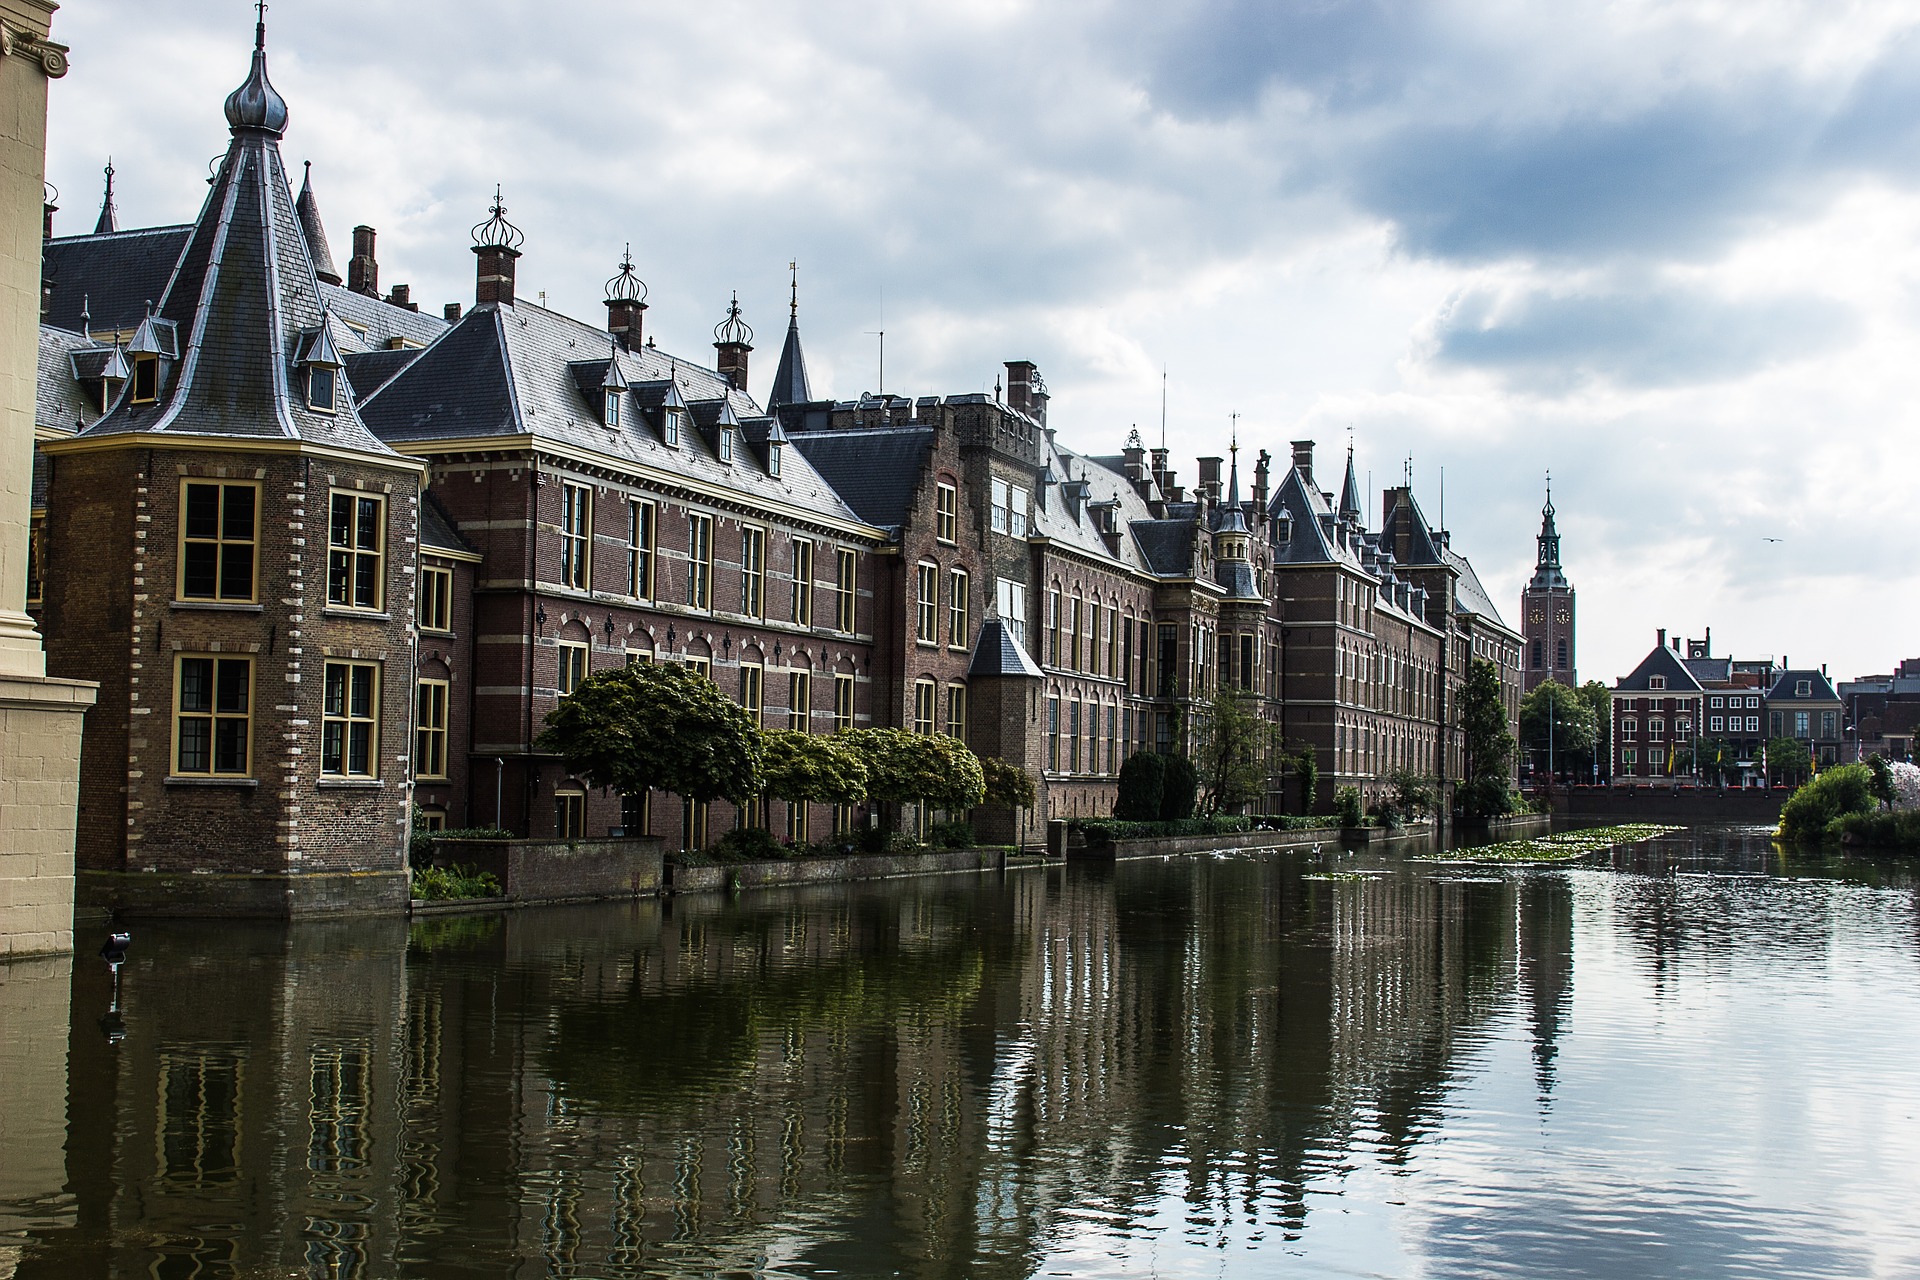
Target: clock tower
1547 611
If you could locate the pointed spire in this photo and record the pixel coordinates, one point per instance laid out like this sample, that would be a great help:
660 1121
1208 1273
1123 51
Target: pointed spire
109 216
1549 533
1233 465
615 379
790 384
256 104
1350 491
308 210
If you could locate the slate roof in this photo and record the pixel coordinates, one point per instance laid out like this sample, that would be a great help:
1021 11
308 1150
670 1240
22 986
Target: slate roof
371 324
1662 661
1165 545
112 277
1054 518
1468 595
790 377
1710 671
314 229
1313 532
997 652
42 477
1819 688
239 300
436 527
512 370
1422 546
368 371
875 469
61 403
1237 577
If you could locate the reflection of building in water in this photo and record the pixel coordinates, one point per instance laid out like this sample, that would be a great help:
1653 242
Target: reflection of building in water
931 1079
33 1091
1546 966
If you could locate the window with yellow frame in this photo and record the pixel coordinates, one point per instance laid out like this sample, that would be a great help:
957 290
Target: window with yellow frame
212 716
219 537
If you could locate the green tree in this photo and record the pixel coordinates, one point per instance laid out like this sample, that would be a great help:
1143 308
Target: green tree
1788 761
1555 713
1142 782
1486 790
1414 795
1713 758
1599 700
1346 803
658 726
1835 794
1008 785
905 767
811 767
1306 767
1178 789
1231 747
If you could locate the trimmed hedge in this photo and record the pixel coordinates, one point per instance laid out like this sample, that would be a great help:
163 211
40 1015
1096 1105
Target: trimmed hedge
1108 830
1881 828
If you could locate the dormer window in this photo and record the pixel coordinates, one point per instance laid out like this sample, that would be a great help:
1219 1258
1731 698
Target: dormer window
612 415
1657 682
146 379
323 388
1803 688
773 459
670 427
726 444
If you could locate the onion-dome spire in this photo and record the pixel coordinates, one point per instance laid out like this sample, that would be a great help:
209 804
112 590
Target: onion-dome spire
626 286
733 331
109 216
496 232
256 104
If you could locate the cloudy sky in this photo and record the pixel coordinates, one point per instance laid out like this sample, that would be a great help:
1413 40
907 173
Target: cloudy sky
1668 249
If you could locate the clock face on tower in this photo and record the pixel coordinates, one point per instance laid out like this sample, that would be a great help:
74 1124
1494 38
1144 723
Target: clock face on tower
1537 615
1562 615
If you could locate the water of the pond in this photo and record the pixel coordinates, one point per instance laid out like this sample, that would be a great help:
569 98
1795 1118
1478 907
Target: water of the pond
1695 1057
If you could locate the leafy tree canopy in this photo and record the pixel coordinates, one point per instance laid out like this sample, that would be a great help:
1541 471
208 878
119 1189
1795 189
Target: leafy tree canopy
1231 744
656 725
904 767
1554 708
811 766
1008 785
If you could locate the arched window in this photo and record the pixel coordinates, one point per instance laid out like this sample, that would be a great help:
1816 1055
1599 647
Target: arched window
1560 659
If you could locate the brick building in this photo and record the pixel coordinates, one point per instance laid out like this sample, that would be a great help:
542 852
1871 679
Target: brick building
1656 717
512 499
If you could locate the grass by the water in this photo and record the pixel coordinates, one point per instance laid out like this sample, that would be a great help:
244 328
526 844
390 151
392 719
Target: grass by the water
1561 847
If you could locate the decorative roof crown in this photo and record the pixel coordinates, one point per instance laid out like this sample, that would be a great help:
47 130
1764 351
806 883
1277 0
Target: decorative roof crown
626 286
256 104
496 232
733 331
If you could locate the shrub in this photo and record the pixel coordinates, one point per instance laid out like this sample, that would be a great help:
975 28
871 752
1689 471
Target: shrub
1307 767
1835 794
750 844
1882 828
1142 779
1487 797
1178 789
1008 785
881 840
1108 830
439 884
1346 804
953 835
1294 822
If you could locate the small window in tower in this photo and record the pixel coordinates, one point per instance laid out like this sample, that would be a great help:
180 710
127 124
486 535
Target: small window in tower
146 379
726 444
1560 654
773 459
612 417
323 385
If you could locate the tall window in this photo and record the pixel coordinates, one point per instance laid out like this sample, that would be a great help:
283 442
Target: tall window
927 606
212 716
1169 660
923 696
842 701
843 591
217 537
1009 513
946 508
957 711
430 730
569 814
1073 633
1053 733
436 600
670 428
1246 660
1053 628
753 572
1012 599
726 444
700 561
640 550
1093 736
958 634
1116 669
802 582
355 548
36 558
694 815
750 689
573 666
800 700
797 828
1073 736
576 536
349 723
146 379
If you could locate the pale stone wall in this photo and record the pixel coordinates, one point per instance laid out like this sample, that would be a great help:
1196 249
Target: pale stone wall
39 764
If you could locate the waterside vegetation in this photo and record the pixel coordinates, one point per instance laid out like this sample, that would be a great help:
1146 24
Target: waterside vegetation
1564 846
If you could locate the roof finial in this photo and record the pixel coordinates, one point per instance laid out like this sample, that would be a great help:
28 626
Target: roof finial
1548 510
255 104
793 302
496 232
109 219
626 286
86 320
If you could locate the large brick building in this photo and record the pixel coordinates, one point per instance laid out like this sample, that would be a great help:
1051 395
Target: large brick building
333 562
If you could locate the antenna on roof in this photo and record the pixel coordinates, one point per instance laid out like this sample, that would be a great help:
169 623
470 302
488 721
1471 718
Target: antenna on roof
793 302
1163 408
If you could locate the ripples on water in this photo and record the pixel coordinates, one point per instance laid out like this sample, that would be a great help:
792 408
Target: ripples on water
1699 1060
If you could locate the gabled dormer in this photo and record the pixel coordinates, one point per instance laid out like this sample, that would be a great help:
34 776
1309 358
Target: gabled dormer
776 449
155 346
317 364
605 388
101 372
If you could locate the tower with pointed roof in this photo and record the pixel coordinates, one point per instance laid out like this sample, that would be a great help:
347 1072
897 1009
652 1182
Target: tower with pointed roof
790 375
1548 610
109 219
231 554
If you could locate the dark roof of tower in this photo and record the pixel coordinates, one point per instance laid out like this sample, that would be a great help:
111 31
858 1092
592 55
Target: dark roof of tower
1405 514
998 652
876 469
315 231
1662 661
109 220
790 384
1350 492
241 301
1166 545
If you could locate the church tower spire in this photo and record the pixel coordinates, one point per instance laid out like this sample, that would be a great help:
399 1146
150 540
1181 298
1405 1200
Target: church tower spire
1547 609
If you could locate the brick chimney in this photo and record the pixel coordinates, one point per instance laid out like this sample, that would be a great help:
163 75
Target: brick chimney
363 270
493 275
1303 459
1209 482
451 313
402 296
626 297
1261 467
732 343
1027 390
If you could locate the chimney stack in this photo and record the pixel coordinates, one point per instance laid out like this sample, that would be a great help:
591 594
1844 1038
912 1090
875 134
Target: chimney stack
47 211
1210 478
496 247
1303 459
733 341
626 297
1027 390
402 296
363 271
451 312
1663 637
1260 469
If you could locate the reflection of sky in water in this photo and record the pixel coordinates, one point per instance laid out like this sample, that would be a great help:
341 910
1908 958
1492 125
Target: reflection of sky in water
1739 1095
